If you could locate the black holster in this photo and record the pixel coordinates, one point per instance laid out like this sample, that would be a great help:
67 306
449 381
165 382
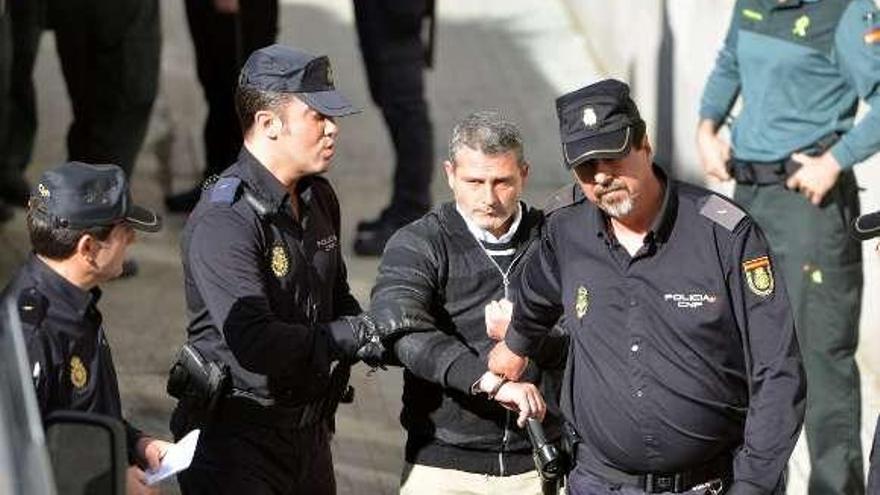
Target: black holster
197 382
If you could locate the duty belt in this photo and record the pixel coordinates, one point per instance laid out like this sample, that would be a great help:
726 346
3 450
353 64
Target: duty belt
762 173
243 406
713 475
775 172
237 410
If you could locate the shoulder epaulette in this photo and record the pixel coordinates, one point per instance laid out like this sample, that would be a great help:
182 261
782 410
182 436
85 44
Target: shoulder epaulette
224 190
564 196
32 307
722 211
259 206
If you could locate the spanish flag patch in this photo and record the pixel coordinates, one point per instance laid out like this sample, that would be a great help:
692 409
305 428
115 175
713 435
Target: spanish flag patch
759 276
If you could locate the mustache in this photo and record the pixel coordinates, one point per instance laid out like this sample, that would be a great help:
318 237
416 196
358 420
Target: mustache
614 186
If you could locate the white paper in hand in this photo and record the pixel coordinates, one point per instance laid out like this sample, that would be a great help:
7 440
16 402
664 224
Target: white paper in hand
178 458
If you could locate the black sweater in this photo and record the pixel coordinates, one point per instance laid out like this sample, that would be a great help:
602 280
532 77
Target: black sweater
435 267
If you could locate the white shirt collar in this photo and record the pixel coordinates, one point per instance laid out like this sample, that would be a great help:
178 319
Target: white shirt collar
484 235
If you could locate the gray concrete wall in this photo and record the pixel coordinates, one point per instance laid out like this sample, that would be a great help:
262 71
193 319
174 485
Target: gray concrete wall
626 38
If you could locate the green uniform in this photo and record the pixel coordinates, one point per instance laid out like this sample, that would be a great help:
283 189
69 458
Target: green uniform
801 68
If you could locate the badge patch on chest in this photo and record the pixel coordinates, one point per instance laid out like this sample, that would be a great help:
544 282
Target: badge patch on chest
759 276
581 302
280 261
78 374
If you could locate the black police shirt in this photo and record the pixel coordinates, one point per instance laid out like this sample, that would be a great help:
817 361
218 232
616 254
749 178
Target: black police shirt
70 359
681 353
259 282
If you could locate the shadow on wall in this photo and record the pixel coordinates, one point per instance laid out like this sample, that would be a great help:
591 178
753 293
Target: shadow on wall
665 125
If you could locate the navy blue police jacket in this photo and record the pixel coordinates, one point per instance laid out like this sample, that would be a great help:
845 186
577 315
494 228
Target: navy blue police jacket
70 358
681 353
262 285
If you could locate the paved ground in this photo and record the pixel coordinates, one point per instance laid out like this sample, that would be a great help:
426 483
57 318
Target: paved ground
515 56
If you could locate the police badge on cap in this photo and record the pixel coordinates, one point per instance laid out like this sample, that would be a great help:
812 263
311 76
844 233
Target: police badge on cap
596 122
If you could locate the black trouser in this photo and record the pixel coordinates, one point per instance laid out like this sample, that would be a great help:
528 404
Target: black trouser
242 458
109 51
391 45
222 43
18 110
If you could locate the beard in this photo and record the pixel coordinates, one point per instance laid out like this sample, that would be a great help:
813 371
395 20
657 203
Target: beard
614 204
619 208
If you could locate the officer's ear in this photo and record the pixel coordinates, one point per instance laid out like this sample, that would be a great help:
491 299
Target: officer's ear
268 123
87 248
646 145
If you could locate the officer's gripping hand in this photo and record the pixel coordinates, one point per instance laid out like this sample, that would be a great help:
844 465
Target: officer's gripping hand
368 332
503 361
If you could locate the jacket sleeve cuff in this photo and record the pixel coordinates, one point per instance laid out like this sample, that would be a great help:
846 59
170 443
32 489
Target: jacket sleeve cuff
709 112
464 372
132 435
844 156
341 336
519 344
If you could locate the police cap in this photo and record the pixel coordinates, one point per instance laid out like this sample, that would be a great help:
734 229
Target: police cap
283 69
596 122
80 195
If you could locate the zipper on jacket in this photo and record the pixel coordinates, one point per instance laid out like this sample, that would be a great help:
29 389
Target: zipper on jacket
505 279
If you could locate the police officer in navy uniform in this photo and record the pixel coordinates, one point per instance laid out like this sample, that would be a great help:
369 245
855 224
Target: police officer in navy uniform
81 221
267 292
683 373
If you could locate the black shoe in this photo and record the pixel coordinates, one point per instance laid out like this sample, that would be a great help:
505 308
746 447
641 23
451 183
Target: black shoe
183 202
371 242
15 191
376 222
394 215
